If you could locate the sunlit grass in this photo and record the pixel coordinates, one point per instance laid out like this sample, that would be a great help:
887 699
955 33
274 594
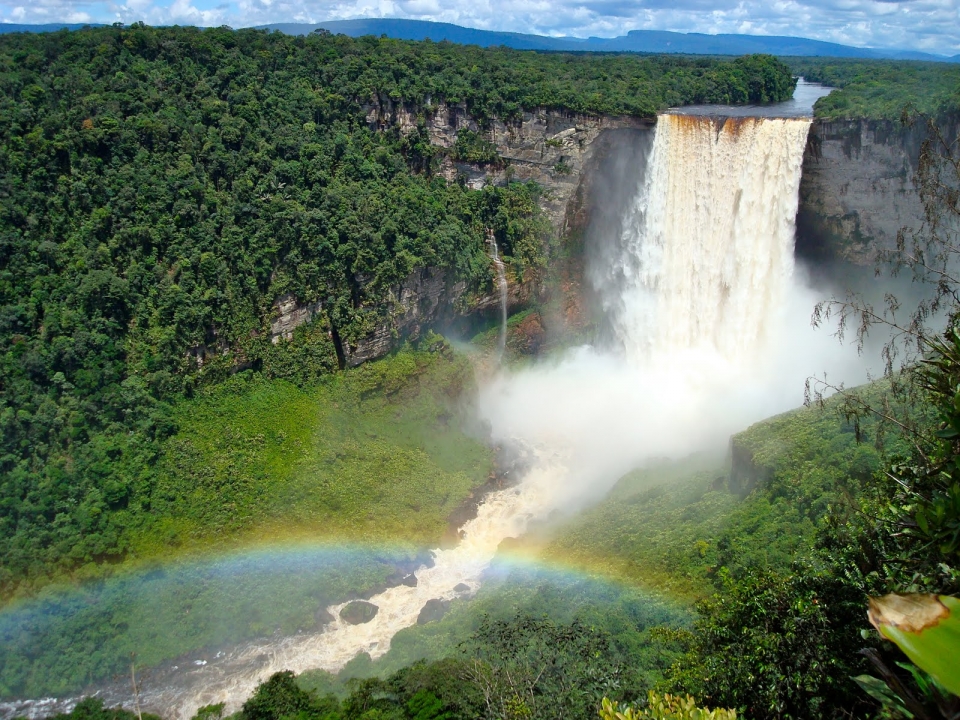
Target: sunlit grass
378 453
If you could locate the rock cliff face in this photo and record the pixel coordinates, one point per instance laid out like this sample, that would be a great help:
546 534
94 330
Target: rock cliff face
550 147
289 315
425 297
554 149
857 189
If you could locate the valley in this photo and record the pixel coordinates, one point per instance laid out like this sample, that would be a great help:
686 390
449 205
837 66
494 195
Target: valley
500 364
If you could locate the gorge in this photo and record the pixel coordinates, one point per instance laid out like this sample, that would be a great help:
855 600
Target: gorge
705 312
856 193
283 314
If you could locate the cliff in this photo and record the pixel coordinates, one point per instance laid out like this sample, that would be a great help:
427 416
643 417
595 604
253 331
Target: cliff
857 191
550 147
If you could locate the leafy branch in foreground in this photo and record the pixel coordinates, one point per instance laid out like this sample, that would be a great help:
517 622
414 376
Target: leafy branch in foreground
666 707
907 539
926 628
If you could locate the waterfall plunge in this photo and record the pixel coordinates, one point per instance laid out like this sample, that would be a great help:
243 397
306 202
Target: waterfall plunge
707 254
699 292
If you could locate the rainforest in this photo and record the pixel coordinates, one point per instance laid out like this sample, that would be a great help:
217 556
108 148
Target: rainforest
367 378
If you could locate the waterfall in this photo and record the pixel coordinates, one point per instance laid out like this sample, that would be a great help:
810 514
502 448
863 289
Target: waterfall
502 286
707 251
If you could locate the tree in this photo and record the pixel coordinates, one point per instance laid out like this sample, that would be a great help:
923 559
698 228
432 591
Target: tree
906 538
281 697
531 667
920 525
780 646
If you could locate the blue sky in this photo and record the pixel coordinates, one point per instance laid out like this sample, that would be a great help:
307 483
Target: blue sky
928 25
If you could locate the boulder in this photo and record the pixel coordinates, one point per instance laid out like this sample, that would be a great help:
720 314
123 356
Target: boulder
433 610
358 612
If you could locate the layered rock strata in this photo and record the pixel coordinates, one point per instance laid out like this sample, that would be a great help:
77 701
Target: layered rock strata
858 187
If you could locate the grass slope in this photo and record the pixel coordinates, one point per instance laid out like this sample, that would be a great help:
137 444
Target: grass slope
376 454
680 526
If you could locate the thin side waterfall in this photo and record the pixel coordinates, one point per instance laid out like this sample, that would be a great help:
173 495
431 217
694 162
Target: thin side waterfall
694 292
502 286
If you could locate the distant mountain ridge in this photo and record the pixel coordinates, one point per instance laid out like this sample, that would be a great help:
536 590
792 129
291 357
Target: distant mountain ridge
646 41
46 27
643 41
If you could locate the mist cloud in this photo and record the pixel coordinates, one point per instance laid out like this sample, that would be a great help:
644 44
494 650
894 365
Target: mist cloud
691 259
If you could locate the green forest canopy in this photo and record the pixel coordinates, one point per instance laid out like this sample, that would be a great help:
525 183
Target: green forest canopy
881 89
162 188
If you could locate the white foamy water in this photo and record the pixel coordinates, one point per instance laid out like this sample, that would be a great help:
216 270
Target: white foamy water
707 255
503 514
711 324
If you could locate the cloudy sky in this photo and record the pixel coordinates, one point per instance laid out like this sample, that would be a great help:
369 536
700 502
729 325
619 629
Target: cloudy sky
929 25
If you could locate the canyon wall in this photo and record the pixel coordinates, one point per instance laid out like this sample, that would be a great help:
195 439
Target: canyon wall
857 190
550 147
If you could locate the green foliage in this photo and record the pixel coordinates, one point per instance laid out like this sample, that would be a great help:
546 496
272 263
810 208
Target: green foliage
661 535
92 709
473 147
166 197
924 514
423 691
780 633
513 623
780 646
424 705
376 453
281 697
926 628
533 667
626 614
666 707
881 89
210 712
274 459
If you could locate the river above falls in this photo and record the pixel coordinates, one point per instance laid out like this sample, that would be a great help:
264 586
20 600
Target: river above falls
799 106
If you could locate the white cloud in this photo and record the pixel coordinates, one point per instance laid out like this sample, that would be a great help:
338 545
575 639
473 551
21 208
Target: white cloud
930 25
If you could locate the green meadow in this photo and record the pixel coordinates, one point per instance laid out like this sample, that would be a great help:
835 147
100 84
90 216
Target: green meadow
377 454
